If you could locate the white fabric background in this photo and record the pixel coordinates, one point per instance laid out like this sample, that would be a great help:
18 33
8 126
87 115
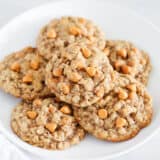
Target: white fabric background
148 8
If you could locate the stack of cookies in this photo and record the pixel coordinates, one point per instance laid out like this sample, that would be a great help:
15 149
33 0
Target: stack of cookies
76 82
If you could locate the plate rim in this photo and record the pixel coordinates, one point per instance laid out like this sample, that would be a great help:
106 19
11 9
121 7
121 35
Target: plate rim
25 146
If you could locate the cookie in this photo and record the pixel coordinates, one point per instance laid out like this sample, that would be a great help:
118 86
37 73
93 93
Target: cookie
79 74
128 59
46 123
121 114
22 74
67 30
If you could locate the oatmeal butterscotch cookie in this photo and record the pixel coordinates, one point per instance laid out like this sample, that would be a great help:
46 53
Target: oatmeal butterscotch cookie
67 30
121 114
79 74
22 74
46 123
127 59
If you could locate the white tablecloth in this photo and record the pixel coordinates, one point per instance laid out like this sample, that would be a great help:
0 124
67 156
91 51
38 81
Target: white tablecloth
148 8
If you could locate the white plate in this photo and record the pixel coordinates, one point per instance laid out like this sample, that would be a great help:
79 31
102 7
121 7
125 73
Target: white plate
118 23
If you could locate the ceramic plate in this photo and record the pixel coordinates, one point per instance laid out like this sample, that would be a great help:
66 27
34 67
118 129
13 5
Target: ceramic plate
117 23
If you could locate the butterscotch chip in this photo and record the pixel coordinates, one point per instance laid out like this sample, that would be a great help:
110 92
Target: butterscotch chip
80 65
106 51
51 33
57 72
39 127
91 39
86 52
51 127
15 67
35 64
84 83
31 114
65 88
37 102
75 30
120 122
131 63
126 69
114 119
27 78
117 65
22 74
122 94
102 113
81 20
65 109
132 87
122 53
128 59
132 95
75 77
91 71
69 30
